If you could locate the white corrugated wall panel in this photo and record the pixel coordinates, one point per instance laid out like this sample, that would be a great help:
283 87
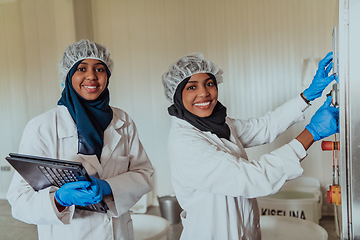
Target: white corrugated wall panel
12 84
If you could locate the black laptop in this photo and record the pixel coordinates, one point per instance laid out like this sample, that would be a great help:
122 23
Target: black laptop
41 172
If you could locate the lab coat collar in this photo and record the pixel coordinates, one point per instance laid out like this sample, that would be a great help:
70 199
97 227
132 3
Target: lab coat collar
111 138
65 124
232 146
66 128
183 123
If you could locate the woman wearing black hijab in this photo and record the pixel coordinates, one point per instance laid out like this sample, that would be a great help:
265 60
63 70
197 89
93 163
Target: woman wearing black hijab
214 181
84 128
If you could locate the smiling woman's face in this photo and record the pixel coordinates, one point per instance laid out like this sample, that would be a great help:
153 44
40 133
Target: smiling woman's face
90 79
200 95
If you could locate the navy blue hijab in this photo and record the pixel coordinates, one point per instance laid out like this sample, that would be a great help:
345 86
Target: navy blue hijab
91 117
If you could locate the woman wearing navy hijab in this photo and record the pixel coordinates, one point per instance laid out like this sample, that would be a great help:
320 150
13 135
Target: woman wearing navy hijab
84 128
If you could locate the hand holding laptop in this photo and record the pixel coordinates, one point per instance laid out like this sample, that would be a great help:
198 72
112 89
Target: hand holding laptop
102 184
80 193
41 172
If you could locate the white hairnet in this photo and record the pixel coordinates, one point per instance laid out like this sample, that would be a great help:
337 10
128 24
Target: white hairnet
79 51
186 67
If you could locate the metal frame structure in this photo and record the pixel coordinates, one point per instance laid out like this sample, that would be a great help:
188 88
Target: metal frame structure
349 118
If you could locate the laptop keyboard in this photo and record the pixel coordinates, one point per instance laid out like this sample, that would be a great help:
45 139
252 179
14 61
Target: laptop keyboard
59 177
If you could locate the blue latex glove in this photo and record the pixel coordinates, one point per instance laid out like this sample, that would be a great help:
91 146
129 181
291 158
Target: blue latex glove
102 185
325 121
78 193
321 79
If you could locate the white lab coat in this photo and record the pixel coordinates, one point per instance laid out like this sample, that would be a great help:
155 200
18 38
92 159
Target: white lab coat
216 184
124 165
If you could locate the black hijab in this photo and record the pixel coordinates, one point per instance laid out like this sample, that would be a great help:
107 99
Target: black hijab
91 116
215 123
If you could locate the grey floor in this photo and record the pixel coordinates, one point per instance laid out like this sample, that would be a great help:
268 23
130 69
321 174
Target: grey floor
12 229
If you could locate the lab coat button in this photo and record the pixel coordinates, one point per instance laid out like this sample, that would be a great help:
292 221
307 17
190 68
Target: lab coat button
107 220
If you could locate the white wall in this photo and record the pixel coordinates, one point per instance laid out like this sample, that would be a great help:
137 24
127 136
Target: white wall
268 50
